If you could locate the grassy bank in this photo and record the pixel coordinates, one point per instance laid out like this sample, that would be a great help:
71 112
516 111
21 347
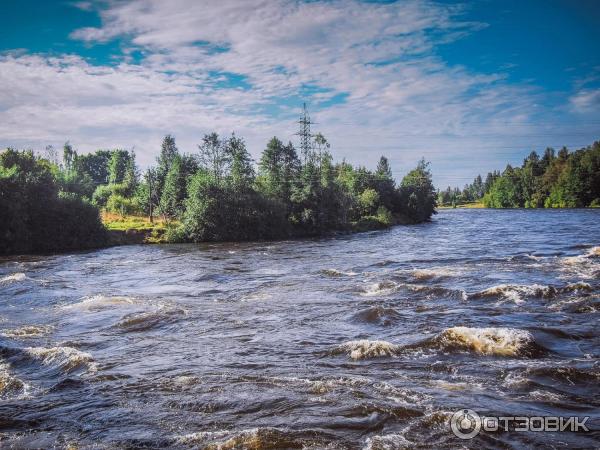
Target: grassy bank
130 229
470 205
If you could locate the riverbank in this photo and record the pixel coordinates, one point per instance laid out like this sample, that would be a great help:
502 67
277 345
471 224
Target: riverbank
470 205
130 230
133 230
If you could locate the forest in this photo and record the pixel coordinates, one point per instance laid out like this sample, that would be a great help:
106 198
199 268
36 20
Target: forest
555 180
216 194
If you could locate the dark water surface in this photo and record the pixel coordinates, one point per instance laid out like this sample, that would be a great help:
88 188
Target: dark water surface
365 341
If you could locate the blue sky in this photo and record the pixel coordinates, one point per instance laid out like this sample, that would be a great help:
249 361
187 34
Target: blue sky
468 85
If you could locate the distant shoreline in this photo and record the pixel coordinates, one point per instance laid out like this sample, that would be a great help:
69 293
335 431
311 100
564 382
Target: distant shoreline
478 205
472 205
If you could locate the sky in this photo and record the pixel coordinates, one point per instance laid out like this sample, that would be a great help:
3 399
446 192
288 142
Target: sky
469 86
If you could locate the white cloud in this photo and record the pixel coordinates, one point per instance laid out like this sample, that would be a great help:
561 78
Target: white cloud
586 100
400 98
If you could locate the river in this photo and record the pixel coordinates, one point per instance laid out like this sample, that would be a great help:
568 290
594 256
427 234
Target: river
365 341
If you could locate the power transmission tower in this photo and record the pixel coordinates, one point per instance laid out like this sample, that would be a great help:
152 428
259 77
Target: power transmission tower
304 133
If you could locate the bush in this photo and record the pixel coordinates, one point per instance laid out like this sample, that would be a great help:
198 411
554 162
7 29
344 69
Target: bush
368 201
222 213
417 196
35 217
120 205
384 216
104 192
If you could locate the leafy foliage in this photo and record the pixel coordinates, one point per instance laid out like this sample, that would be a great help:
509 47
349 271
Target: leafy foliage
36 216
556 180
212 196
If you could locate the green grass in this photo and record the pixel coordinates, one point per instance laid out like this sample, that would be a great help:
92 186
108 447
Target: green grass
154 231
470 205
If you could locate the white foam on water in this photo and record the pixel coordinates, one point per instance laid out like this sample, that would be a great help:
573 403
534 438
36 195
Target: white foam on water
515 380
256 296
364 348
487 341
546 396
255 439
319 386
435 272
578 286
516 292
379 288
186 380
593 252
338 273
67 358
96 302
27 331
585 265
456 385
13 278
392 441
11 386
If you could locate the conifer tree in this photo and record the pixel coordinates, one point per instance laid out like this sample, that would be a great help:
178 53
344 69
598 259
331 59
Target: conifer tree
173 192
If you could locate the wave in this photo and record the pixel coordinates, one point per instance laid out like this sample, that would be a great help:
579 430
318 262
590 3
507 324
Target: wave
252 439
486 341
516 292
10 386
391 441
481 341
334 273
593 252
66 358
96 302
147 320
380 288
387 287
586 265
428 274
438 291
322 386
378 315
364 348
565 375
27 331
526 257
13 278
433 421
582 305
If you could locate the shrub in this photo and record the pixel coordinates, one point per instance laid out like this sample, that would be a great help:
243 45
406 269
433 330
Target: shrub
35 217
121 205
104 191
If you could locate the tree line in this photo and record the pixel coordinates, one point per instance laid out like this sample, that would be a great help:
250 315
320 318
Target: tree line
562 179
216 194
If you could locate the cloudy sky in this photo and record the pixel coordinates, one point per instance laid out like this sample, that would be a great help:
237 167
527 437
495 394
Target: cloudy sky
468 85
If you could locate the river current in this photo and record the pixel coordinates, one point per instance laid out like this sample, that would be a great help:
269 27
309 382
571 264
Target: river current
365 341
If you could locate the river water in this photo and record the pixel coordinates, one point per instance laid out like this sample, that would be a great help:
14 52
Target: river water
365 341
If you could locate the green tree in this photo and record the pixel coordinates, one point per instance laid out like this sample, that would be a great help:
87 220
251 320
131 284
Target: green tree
417 195
174 190
118 165
214 156
35 216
